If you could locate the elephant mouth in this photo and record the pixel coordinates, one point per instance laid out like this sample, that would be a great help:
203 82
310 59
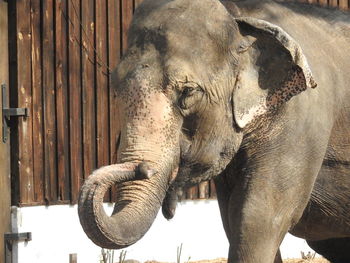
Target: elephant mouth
192 172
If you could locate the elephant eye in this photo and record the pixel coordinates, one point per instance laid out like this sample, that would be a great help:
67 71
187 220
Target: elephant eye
190 95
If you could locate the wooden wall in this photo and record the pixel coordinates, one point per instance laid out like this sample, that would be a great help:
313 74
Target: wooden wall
342 4
5 183
61 56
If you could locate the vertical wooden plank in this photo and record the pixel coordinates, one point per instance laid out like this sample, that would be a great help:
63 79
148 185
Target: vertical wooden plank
189 194
114 53
13 99
192 193
62 100
75 111
102 98
333 3
204 190
88 86
21 88
344 4
73 258
38 138
49 104
212 190
102 85
5 179
127 11
323 2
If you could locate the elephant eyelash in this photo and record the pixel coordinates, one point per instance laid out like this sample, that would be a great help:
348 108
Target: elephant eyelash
188 90
187 86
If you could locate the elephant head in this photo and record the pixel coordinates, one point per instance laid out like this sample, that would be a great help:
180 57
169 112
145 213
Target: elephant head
193 82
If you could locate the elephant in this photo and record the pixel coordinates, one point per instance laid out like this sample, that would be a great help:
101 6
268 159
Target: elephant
252 94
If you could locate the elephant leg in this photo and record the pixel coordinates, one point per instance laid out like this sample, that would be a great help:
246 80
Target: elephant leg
278 258
252 241
223 196
336 250
259 211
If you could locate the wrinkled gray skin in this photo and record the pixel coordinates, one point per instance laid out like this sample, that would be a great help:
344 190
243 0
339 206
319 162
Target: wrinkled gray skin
211 92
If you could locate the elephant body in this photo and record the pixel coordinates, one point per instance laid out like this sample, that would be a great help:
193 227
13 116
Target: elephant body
320 127
254 94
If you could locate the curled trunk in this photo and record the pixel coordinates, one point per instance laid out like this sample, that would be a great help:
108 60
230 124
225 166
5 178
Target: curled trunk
138 202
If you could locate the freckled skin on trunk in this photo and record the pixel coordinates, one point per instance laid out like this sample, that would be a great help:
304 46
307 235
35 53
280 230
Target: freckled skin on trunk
142 178
149 158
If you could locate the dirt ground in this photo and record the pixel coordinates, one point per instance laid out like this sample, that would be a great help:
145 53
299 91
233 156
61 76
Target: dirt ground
224 260
315 260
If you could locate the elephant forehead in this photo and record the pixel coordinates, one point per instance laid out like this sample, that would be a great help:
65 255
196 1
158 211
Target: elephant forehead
202 47
153 11
191 22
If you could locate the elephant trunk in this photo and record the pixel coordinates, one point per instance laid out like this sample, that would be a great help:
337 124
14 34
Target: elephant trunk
138 202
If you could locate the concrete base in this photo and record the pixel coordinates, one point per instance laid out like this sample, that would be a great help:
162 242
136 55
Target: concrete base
56 233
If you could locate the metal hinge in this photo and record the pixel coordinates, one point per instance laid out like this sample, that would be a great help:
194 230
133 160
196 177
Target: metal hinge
7 113
17 237
10 239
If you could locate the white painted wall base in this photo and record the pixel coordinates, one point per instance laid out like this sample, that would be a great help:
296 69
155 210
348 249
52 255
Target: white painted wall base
56 233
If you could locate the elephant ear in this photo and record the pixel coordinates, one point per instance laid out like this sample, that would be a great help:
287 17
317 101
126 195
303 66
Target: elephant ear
273 70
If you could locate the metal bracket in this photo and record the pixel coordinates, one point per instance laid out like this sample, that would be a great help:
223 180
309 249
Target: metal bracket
11 238
17 237
7 113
